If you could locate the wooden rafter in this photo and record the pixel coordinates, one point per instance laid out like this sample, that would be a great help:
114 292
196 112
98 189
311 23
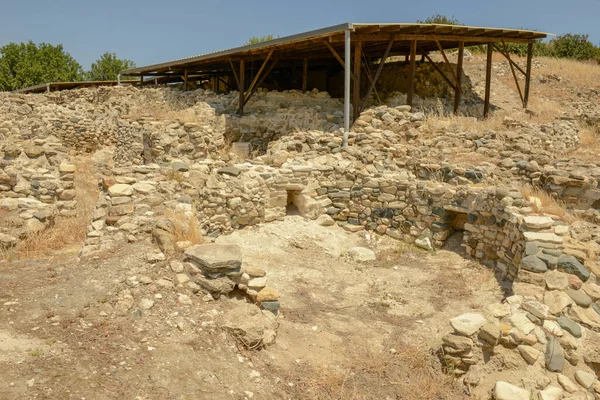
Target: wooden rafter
337 57
376 77
260 71
507 56
235 75
441 49
514 74
442 73
261 80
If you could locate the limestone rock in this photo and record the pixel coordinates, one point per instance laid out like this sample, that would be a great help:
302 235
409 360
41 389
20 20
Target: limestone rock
529 354
557 301
592 290
468 324
267 294
567 384
506 391
585 379
424 243
536 308
556 280
215 256
325 220
460 343
490 332
362 254
120 189
520 321
551 393
538 222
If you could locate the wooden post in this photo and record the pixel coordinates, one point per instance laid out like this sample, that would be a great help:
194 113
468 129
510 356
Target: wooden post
216 84
528 74
141 80
242 87
376 77
488 80
459 71
305 75
185 80
356 92
411 75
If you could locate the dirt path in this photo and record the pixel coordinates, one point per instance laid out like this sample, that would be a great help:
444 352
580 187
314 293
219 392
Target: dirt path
346 327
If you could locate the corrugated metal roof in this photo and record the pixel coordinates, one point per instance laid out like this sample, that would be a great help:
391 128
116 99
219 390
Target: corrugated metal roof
326 32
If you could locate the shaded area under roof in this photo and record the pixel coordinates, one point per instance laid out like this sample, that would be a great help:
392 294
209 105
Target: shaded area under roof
53 86
318 44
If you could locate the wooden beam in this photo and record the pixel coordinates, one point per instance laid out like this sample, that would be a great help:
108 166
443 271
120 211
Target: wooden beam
488 80
514 74
337 57
305 75
528 74
262 79
411 75
441 49
459 71
225 82
356 89
242 86
442 73
260 71
507 56
441 38
235 75
185 80
376 77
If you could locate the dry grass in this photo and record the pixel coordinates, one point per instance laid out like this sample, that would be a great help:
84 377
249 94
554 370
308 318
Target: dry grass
544 202
176 176
186 227
402 371
67 234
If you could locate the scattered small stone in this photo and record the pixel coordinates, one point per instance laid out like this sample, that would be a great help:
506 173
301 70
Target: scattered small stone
146 304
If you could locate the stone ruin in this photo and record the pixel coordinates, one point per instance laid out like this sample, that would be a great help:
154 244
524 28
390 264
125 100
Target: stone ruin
397 178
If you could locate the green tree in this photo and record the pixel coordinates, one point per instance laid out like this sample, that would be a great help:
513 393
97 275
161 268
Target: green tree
575 46
28 64
257 39
107 67
440 19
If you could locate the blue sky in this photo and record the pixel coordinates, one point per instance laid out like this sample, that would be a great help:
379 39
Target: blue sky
153 31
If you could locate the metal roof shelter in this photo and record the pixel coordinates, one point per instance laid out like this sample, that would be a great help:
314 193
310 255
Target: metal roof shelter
350 44
54 86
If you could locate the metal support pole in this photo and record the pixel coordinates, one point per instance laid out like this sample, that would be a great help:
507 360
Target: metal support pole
348 56
528 74
119 79
47 88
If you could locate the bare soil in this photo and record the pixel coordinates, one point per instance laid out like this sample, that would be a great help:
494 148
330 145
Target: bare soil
347 330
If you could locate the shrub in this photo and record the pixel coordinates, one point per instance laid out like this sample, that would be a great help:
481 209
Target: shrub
575 46
440 19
